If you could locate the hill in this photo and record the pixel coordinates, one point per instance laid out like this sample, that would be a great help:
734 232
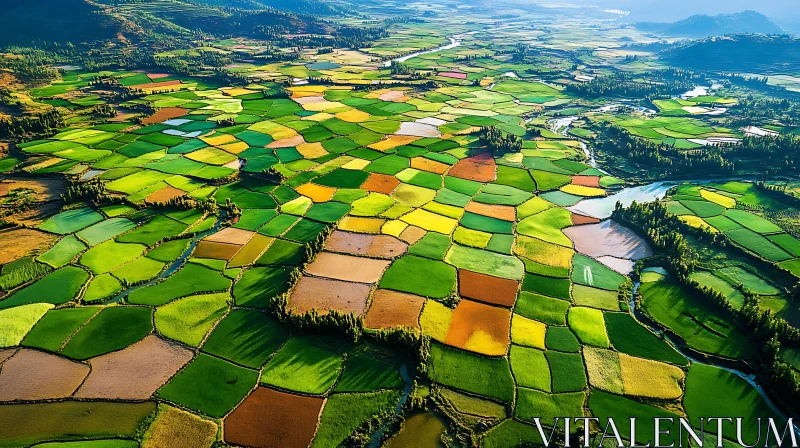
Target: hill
702 25
56 20
739 54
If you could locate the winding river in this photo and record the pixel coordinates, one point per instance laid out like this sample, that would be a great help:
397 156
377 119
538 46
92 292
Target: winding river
455 41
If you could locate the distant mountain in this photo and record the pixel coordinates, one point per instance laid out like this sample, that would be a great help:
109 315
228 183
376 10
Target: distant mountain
78 21
748 53
55 20
702 25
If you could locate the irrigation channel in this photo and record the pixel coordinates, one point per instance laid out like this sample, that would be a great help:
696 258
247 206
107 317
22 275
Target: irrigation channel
175 265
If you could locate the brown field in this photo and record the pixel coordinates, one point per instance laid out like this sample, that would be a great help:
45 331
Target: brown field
397 96
412 234
287 142
480 168
324 294
6 353
347 267
251 251
268 418
580 219
18 243
432 166
217 251
164 195
379 246
380 183
390 309
504 212
488 289
34 375
136 372
166 113
480 328
586 181
174 428
231 235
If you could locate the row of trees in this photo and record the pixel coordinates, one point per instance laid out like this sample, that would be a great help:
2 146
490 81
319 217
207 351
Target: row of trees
662 157
657 84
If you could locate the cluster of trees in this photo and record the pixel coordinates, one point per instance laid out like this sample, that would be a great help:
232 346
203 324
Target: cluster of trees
43 125
104 110
751 110
656 84
662 230
770 155
32 68
662 157
400 68
498 141
93 190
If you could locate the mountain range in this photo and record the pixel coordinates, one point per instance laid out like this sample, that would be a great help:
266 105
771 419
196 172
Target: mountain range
703 25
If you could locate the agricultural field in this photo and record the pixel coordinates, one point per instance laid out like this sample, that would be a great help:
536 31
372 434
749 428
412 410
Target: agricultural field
327 247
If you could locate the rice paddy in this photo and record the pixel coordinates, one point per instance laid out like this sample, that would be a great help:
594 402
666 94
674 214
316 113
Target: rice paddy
264 260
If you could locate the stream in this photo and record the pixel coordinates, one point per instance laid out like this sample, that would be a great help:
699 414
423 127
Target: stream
669 339
455 41
408 387
174 266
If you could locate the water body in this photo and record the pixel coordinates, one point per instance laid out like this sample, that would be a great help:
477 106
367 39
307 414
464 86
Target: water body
561 125
601 208
455 41
667 337
408 387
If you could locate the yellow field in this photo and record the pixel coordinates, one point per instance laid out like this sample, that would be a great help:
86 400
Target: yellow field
647 378
527 332
430 221
580 190
718 198
543 252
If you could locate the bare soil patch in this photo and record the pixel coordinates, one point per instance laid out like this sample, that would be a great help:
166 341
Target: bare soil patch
35 375
136 372
166 113
347 267
391 308
480 168
488 289
325 294
380 183
268 418
18 243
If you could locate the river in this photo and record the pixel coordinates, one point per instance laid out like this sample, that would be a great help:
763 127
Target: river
455 41
601 208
